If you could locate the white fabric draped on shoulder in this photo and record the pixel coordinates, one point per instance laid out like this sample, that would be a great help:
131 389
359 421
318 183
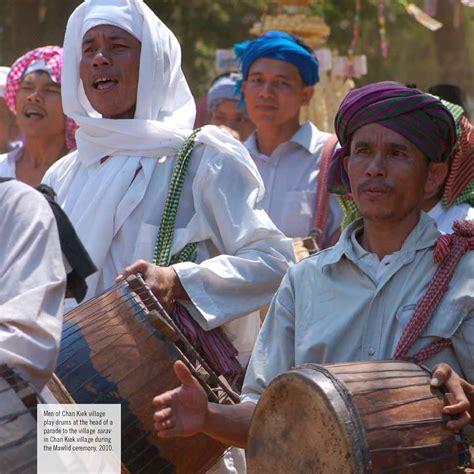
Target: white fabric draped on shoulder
97 197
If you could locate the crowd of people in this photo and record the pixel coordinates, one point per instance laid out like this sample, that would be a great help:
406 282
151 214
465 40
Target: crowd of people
104 121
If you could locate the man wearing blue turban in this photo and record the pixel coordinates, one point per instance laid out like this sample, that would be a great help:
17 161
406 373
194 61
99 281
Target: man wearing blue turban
279 73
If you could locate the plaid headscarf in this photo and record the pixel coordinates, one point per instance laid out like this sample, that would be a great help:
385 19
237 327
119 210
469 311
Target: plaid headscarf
459 186
419 117
52 57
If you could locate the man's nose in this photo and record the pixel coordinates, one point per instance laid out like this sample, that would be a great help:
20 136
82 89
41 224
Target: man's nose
35 96
377 165
266 89
101 58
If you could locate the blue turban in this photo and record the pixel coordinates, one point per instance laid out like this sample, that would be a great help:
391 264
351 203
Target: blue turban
281 46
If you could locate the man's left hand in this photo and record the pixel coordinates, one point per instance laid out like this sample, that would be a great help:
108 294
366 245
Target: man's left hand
162 281
462 392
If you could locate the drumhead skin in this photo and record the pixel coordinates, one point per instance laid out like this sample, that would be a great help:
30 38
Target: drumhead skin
302 424
365 417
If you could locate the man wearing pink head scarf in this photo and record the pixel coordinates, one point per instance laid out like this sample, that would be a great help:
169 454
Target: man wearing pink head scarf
33 93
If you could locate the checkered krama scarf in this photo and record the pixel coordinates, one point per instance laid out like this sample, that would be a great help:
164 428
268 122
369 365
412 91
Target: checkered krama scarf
420 118
53 59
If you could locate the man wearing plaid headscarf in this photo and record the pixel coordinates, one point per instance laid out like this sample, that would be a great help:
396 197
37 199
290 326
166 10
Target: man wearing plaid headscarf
33 93
389 289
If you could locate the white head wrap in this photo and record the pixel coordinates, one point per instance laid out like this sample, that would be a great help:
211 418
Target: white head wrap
165 108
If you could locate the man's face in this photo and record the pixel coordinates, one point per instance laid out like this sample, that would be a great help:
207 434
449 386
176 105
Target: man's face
109 70
39 111
274 92
228 114
389 175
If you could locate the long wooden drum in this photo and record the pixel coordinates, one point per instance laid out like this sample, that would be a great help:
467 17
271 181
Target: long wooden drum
379 417
117 348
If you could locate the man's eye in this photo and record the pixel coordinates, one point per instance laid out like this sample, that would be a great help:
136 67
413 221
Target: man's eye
119 46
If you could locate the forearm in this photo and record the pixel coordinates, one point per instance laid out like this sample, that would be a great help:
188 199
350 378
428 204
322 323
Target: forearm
229 424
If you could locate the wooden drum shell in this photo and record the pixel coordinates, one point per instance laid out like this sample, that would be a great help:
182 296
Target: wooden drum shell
368 417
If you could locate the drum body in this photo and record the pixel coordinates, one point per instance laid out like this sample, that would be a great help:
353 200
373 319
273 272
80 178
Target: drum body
112 353
373 417
18 402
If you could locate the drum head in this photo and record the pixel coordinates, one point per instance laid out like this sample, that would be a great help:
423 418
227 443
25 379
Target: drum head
298 428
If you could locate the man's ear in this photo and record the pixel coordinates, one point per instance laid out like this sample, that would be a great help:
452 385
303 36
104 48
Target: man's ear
346 164
436 178
308 92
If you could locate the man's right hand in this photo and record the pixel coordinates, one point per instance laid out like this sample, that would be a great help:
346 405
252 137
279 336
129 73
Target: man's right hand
182 411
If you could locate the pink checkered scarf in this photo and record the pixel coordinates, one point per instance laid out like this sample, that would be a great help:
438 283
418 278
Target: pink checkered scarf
53 57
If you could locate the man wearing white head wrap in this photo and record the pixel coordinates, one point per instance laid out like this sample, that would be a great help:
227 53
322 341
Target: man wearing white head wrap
114 186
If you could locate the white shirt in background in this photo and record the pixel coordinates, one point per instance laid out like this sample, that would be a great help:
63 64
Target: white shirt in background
8 162
290 176
445 217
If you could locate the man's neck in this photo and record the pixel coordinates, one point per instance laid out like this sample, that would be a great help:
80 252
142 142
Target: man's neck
268 137
43 152
384 238
37 156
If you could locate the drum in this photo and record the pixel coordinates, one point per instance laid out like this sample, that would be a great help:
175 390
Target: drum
368 417
117 348
18 401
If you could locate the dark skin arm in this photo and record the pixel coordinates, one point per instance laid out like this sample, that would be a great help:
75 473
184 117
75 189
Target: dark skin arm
162 281
186 411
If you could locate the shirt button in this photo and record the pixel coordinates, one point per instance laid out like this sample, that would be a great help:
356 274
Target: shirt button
371 351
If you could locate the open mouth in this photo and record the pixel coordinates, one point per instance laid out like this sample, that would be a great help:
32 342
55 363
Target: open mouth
104 83
31 114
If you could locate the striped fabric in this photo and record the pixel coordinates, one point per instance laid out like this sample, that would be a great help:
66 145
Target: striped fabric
459 187
420 118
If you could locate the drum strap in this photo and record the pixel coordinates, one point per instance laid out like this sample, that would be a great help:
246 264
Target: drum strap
213 345
449 250
322 195
162 253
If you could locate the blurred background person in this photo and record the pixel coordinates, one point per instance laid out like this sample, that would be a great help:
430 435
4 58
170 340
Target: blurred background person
224 108
8 129
33 94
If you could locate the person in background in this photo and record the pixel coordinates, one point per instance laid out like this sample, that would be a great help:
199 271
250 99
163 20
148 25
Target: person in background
454 199
33 94
223 106
279 73
8 129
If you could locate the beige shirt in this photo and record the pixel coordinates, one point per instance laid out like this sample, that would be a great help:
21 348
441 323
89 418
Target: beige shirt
329 309
290 175
32 283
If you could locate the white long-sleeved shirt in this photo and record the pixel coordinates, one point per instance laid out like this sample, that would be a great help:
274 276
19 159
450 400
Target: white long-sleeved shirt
32 283
290 175
242 256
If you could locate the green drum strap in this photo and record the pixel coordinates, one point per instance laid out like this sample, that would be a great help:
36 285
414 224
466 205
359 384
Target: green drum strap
162 253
